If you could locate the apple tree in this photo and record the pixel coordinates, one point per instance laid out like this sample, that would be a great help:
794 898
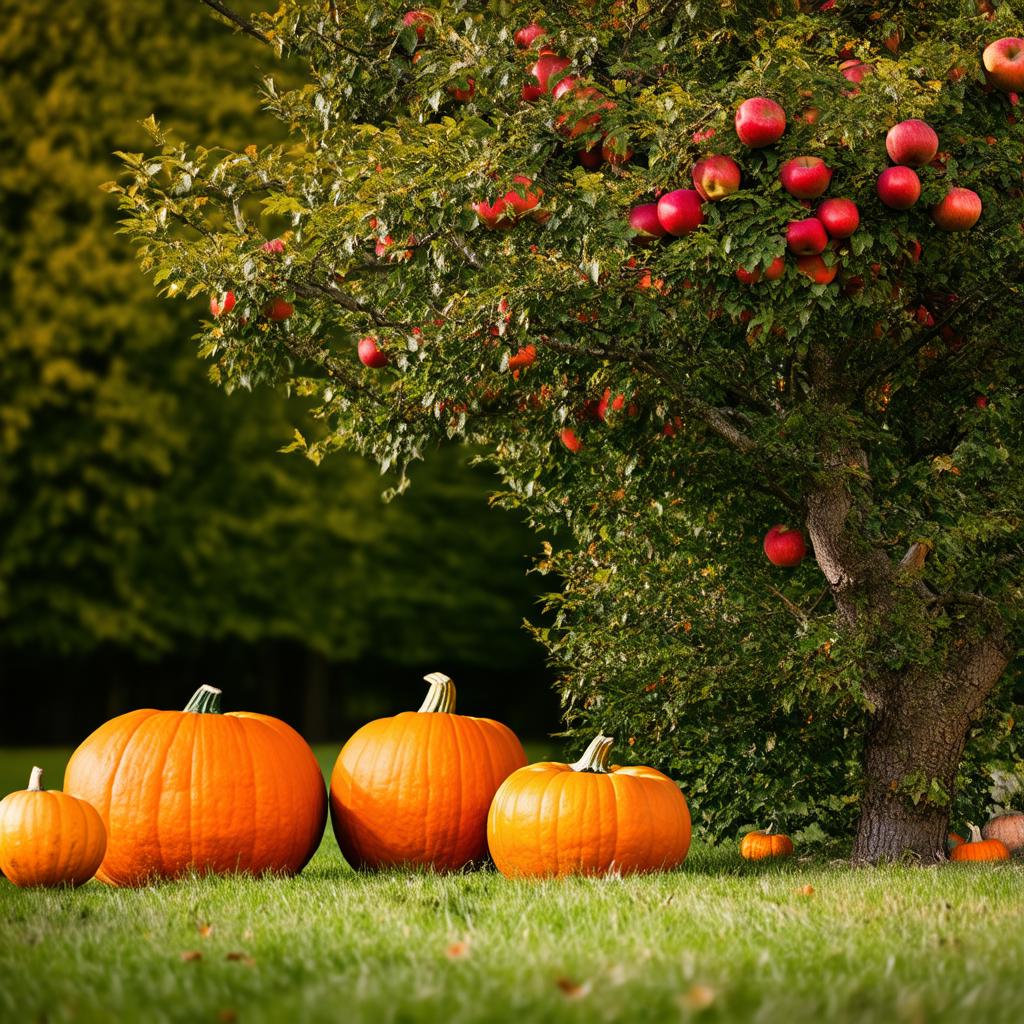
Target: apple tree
687 271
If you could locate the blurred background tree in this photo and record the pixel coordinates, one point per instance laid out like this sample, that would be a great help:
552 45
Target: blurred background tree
151 536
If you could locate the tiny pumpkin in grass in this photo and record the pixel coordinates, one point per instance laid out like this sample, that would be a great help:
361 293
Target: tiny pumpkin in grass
553 819
414 789
200 790
978 849
49 838
762 844
1009 829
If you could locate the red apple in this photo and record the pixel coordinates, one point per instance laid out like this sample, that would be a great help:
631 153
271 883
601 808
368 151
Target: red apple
680 211
760 122
418 20
493 215
224 304
840 217
524 357
524 201
278 309
591 158
805 177
275 246
463 95
616 404
531 93
370 355
806 237
716 176
745 276
1004 64
616 151
855 71
548 66
775 269
570 440
981 401
784 547
899 187
817 269
525 37
644 221
958 211
912 143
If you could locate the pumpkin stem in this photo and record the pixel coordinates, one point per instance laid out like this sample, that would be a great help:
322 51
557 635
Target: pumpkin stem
975 833
35 781
441 695
595 757
205 701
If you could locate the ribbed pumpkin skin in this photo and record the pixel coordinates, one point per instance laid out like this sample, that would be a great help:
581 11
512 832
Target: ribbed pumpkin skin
549 821
1008 829
215 793
978 850
49 839
761 845
414 789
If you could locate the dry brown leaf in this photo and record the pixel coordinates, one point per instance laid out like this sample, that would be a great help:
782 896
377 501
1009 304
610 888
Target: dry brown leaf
205 930
571 989
239 957
190 954
805 890
699 997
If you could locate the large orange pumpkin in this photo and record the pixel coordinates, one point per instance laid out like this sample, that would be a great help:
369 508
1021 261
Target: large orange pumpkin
415 789
586 818
1008 828
760 845
200 790
49 838
978 849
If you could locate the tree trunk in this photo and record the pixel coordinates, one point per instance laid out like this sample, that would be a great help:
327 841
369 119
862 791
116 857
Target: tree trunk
912 753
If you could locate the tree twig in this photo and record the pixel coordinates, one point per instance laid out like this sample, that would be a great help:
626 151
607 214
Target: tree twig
246 26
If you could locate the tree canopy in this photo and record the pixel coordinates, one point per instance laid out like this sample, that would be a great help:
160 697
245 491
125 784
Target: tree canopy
456 258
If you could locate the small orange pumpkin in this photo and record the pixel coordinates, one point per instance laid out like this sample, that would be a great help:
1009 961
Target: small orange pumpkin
1009 829
553 819
49 838
978 849
953 840
759 845
415 789
200 790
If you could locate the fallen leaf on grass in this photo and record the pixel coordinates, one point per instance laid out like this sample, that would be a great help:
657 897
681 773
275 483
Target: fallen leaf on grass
699 997
571 989
239 957
805 890
191 954
205 930
457 950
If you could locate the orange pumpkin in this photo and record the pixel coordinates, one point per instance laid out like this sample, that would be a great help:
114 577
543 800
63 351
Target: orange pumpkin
978 849
1009 829
200 790
49 838
586 818
953 840
414 789
760 845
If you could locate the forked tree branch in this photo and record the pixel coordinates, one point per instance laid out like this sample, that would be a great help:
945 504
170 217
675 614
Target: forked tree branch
246 26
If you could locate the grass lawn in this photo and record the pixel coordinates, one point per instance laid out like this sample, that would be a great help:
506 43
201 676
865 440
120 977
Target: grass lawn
719 940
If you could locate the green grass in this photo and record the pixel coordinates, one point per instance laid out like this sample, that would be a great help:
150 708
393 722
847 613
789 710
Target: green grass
719 940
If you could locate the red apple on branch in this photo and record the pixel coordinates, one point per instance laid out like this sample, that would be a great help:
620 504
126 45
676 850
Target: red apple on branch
644 221
806 237
680 211
525 37
840 217
224 304
745 276
275 246
784 547
1004 64
959 210
418 20
775 269
370 355
278 309
899 187
760 122
461 95
817 269
493 215
805 177
591 158
912 143
524 357
715 177
525 200
570 440
548 66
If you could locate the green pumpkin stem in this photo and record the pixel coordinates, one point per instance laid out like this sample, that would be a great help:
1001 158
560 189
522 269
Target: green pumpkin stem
205 701
441 695
35 781
595 757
